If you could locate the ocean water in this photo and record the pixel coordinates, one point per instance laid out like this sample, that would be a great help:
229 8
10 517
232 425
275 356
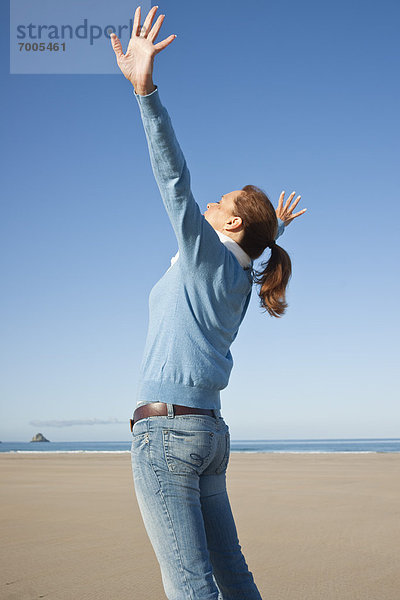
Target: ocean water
271 446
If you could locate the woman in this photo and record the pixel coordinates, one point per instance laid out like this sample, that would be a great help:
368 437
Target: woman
180 446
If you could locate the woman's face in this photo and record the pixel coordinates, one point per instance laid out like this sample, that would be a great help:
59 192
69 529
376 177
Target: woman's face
220 214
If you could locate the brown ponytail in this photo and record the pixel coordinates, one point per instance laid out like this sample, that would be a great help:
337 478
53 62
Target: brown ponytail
260 230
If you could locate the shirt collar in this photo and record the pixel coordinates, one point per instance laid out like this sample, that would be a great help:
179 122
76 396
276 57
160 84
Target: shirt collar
242 257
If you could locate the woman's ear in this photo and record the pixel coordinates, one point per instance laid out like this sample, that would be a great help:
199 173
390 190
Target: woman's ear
234 223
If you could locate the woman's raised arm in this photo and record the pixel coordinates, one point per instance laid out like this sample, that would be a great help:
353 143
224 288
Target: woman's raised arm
199 244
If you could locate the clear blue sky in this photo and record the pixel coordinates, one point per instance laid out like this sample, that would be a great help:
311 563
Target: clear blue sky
288 96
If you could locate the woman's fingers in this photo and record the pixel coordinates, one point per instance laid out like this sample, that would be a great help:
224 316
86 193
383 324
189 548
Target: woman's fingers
149 32
156 28
144 32
136 22
161 45
284 212
299 213
295 203
288 201
289 219
116 44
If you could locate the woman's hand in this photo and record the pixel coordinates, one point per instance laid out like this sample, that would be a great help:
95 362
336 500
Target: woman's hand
137 63
285 212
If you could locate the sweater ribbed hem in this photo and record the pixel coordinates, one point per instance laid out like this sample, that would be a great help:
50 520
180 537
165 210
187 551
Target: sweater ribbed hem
176 393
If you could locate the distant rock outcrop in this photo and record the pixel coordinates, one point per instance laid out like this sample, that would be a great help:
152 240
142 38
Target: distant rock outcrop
39 437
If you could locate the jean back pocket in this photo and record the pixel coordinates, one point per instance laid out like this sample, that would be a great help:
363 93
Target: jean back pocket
188 452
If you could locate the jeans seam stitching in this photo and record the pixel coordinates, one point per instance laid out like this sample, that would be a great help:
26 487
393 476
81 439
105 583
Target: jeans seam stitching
176 545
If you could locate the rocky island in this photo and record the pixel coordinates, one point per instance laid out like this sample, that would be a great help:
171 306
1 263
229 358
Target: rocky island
39 437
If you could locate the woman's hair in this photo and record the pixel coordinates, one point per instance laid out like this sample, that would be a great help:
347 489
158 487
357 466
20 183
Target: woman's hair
260 229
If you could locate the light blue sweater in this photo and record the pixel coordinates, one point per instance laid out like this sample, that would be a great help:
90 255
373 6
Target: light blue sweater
196 308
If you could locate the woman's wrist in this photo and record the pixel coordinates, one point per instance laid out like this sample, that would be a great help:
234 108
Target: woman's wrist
144 86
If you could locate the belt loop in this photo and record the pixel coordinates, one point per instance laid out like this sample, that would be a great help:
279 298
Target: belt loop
217 413
170 408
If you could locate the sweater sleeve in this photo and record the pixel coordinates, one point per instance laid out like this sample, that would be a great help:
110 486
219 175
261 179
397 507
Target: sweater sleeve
281 228
198 242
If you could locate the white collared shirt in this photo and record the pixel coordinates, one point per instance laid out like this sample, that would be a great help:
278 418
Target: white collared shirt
243 258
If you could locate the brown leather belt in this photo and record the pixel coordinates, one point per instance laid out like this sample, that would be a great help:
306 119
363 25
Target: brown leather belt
160 409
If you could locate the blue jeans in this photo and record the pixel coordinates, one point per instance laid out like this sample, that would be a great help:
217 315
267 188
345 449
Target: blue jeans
179 471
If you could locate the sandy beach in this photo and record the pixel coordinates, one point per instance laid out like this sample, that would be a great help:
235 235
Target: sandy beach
312 526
